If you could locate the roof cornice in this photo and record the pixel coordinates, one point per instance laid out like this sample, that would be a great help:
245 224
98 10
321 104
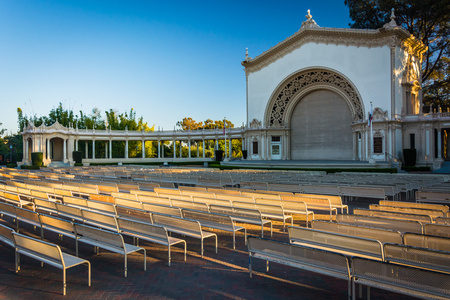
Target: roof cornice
369 38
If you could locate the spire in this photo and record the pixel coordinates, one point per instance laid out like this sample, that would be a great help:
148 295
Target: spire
392 24
247 58
309 23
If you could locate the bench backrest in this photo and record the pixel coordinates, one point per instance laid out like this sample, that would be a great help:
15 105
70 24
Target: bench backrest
144 193
433 213
427 241
146 229
128 203
162 209
218 192
100 235
71 211
167 191
190 205
364 192
127 186
154 200
6 235
207 217
131 213
124 196
311 202
210 201
400 225
27 215
39 194
392 215
334 200
443 208
320 189
174 222
196 193
74 201
50 251
437 230
62 192
327 260
263 208
442 220
9 209
382 235
363 246
63 225
233 198
149 186
11 197
102 206
261 195
101 220
418 257
236 211
107 188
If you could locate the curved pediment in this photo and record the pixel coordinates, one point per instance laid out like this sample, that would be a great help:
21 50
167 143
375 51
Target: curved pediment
56 126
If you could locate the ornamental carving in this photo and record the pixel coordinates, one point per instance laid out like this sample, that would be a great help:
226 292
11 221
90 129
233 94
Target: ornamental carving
310 78
255 124
379 114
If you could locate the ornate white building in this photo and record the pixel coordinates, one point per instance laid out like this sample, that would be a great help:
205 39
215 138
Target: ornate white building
309 97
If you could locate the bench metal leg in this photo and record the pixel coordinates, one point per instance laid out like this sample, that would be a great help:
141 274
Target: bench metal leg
64 281
169 255
267 266
126 267
201 246
250 264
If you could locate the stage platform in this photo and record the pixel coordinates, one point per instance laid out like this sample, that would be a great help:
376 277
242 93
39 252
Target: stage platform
303 164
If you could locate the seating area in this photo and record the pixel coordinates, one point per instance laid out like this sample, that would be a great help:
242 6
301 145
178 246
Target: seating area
118 214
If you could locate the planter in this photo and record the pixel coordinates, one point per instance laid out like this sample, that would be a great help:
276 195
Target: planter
409 156
219 155
244 154
77 157
37 158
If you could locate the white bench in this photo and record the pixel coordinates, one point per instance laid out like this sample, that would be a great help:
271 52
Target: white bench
189 228
149 232
216 221
47 253
305 258
267 211
107 240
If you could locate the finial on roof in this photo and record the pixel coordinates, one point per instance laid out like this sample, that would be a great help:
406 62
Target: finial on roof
309 23
392 23
247 58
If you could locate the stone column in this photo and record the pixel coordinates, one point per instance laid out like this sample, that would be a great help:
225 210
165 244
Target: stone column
189 148
203 148
26 150
86 146
174 149
126 148
76 145
181 150
110 149
47 153
439 143
64 150
106 149
159 148
143 148
93 149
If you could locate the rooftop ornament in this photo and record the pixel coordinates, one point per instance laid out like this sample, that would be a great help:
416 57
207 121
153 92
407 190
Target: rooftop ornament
392 24
309 23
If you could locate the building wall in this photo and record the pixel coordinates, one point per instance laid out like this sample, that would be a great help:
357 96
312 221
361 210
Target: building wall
367 68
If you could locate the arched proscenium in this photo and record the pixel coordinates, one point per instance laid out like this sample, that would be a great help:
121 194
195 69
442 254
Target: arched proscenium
290 90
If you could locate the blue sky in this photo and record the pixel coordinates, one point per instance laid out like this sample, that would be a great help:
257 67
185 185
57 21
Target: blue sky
165 59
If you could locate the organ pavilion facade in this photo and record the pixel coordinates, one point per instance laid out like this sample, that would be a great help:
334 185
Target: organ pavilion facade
310 96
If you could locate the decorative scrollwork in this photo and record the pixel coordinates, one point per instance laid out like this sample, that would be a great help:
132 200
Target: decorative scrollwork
308 78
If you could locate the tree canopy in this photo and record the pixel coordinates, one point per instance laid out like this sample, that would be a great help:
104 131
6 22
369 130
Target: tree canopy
113 119
190 124
429 22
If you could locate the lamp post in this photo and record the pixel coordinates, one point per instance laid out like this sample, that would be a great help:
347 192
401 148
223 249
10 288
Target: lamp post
10 154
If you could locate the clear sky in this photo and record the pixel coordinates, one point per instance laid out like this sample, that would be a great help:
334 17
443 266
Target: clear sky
166 59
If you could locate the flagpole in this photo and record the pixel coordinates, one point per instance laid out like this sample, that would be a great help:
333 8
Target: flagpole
225 132
371 131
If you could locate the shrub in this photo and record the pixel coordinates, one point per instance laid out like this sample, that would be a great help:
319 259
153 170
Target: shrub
27 167
11 165
37 158
78 164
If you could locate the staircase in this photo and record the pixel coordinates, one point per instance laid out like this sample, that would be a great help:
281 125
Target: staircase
58 164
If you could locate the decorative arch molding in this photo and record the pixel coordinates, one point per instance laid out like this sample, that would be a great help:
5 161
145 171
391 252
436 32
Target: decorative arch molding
296 86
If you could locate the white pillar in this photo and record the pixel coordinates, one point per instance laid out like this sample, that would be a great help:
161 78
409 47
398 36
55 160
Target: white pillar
230 151
181 150
64 150
439 146
76 145
126 148
47 153
216 147
93 149
143 148
26 150
203 148
189 150
159 148
174 149
162 149
86 153
110 148
106 149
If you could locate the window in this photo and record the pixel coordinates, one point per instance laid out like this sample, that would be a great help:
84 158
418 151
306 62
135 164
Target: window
255 148
276 139
378 145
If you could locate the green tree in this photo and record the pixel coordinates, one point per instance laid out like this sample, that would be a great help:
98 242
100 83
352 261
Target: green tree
429 22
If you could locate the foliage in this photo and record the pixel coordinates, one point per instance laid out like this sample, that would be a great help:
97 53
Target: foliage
429 22
37 158
27 167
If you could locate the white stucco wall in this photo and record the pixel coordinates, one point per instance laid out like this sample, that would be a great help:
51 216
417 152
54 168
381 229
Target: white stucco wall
367 68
